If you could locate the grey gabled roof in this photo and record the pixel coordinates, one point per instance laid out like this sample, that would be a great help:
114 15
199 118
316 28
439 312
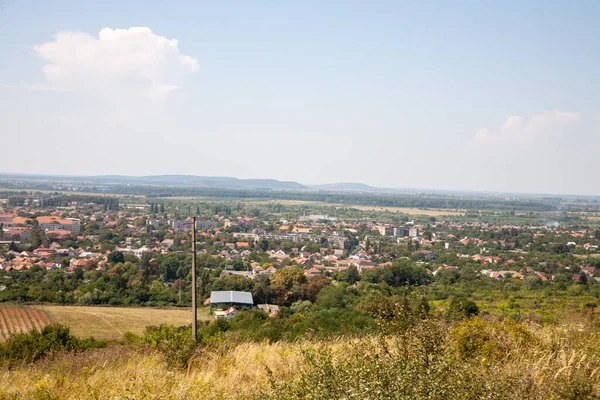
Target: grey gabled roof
231 296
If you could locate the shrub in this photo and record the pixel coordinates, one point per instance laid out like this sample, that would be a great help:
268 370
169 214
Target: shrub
175 343
51 339
477 337
461 308
413 365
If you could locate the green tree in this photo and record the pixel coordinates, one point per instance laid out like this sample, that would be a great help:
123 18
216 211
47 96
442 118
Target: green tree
352 275
116 257
289 277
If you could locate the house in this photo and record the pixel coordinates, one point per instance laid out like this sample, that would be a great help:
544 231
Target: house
590 247
227 314
300 230
271 309
312 272
231 298
167 242
589 271
280 254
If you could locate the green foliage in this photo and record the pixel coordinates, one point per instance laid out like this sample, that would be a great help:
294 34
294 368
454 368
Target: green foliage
34 345
175 343
480 338
414 365
461 308
116 257
395 313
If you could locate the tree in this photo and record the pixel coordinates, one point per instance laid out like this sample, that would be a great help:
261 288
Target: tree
116 257
13 247
289 277
169 267
330 297
403 273
532 281
315 285
352 275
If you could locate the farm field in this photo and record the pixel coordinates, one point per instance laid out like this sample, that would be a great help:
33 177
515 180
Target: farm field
19 319
404 210
110 323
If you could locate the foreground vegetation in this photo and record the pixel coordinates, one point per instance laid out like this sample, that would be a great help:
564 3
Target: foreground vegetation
474 358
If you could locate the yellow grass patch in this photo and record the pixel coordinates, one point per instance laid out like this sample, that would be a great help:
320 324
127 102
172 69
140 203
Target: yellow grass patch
110 323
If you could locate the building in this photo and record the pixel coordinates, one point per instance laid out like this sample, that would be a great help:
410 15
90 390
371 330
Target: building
401 232
51 223
205 224
157 223
6 218
231 298
227 314
315 218
181 225
413 232
384 230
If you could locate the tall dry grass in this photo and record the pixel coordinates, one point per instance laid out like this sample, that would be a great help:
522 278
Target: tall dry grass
135 373
501 361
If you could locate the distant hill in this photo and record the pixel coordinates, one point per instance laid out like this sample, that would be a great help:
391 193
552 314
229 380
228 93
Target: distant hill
224 182
221 182
345 186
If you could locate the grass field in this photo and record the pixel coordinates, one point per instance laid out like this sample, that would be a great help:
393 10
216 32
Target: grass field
404 210
109 323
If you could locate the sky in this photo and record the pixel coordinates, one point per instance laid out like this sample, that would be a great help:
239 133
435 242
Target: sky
454 95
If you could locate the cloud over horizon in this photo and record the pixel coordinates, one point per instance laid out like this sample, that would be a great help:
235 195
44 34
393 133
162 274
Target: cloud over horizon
515 130
134 59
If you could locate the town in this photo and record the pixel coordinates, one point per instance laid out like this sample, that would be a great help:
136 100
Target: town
146 245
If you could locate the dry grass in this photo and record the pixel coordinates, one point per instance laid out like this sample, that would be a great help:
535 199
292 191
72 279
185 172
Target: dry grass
584 256
127 373
109 323
557 361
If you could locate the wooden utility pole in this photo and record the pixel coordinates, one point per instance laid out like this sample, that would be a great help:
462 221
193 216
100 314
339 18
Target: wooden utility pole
194 314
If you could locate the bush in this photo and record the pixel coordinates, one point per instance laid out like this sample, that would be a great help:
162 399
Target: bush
175 343
413 365
461 308
52 339
489 340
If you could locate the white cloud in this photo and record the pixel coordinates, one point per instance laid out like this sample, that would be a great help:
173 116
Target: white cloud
515 130
133 58
27 86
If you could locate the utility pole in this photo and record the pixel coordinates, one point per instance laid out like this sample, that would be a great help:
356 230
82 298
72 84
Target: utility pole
194 315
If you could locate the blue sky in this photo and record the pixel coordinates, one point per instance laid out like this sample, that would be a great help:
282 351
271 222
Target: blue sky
459 95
